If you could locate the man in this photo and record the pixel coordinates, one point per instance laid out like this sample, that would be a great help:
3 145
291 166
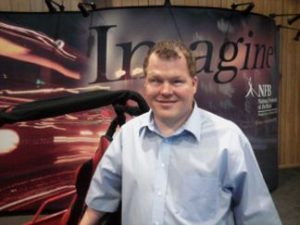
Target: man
179 164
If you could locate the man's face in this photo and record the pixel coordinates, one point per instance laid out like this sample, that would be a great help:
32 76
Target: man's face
169 89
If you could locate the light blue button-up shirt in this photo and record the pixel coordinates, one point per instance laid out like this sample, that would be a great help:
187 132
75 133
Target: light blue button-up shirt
204 174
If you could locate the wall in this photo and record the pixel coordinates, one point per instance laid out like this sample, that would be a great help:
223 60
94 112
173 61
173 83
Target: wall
289 109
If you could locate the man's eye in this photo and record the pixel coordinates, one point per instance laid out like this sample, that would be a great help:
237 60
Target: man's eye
154 81
178 82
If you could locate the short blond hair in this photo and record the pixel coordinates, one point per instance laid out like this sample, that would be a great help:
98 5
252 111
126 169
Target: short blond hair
170 49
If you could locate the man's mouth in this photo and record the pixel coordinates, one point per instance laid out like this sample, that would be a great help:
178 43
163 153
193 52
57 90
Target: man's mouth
166 102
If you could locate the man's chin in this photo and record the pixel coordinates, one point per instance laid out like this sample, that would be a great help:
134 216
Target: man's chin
167 116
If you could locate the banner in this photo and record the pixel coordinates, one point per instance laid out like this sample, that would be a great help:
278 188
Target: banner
46 55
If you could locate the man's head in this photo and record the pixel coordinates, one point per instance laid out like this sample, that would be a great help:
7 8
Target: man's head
170 50
170 83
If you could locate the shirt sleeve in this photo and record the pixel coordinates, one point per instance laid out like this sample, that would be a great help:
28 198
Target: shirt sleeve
104 193
252 202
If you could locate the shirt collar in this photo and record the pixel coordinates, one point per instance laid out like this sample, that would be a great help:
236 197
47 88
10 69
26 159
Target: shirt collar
192 125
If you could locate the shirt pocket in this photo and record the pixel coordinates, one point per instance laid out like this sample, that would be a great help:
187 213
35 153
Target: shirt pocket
198 197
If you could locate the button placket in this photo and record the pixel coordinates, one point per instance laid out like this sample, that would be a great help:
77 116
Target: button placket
161 181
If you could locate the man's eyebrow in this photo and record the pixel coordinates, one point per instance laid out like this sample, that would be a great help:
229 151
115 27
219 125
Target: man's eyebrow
153 74
177 76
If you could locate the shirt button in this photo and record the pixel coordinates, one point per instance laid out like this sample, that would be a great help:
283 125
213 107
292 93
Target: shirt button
159 193
156 223
162 165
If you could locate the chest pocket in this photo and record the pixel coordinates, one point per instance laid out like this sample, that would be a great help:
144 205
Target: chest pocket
198 197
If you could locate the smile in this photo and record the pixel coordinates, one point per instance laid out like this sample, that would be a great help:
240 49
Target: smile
164 102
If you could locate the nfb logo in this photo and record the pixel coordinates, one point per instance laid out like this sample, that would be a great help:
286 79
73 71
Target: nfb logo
264 90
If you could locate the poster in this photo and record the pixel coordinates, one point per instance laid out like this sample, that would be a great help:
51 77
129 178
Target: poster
46 55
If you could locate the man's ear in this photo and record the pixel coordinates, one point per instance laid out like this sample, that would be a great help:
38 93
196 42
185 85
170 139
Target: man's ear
195 82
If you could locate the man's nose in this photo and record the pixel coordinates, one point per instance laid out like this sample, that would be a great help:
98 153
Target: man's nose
166 88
